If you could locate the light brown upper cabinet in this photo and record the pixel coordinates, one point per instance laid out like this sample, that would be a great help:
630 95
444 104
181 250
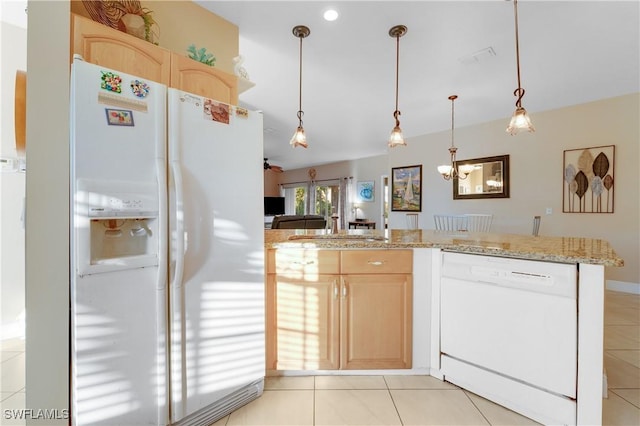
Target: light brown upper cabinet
108 47
200 79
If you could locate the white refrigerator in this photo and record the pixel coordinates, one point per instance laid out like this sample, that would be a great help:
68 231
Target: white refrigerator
167 262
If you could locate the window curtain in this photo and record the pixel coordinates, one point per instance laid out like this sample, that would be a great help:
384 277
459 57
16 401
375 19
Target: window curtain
346 202
311 198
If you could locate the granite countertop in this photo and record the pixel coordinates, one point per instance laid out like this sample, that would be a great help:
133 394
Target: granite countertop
552 249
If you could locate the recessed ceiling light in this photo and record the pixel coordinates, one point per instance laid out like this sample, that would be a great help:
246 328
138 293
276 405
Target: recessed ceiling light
331 15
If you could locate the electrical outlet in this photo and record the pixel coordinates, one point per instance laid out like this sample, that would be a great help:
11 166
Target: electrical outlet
549 210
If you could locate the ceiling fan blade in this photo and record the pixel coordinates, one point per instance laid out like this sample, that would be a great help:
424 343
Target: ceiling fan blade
268 166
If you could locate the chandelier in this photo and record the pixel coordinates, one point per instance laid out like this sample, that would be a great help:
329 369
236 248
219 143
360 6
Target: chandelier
450 171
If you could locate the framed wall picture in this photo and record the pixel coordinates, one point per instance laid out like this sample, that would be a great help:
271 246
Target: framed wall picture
589 180
489 178
406 189
365 191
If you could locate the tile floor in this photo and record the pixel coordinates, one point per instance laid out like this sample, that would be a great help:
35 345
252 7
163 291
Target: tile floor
398 400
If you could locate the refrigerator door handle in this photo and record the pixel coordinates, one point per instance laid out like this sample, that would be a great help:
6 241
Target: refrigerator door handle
163 249
179 237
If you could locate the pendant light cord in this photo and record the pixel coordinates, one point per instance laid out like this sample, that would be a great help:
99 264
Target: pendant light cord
396 113
452 145
519 92
300 112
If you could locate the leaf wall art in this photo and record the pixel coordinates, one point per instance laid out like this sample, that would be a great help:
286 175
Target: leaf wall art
589 179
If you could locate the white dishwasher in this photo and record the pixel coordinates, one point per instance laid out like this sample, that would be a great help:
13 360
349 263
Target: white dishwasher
508 332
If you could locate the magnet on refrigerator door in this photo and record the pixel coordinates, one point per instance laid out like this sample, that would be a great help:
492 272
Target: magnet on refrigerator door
140 88
119 117
121 101
242 112
111 82
216 111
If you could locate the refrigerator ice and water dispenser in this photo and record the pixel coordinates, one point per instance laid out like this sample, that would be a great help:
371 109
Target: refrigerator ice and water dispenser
121 229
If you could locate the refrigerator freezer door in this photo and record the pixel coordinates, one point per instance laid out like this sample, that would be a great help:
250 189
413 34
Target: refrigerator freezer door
217 274
118 307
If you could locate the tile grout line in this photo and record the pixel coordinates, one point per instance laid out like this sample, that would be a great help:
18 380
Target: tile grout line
622 397
476 407
393 401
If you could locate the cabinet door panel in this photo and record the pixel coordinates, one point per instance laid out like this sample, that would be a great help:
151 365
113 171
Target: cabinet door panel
376 317
200 79
110 48
307 322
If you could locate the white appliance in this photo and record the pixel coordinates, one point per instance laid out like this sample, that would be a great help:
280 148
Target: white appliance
167 278
509 333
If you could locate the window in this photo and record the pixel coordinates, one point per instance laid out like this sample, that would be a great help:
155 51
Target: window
321 198
327 199
295 198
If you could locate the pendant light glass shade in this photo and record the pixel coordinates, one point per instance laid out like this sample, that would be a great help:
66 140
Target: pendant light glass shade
396 138
450 171
520 119
299 138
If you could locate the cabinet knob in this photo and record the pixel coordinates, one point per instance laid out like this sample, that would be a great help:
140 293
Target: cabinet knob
375 262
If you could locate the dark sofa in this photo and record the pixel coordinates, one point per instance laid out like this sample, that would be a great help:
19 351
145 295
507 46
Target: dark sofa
299 222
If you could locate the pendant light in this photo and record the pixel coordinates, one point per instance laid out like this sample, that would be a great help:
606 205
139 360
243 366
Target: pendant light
451 171
396 138
520 119
299 138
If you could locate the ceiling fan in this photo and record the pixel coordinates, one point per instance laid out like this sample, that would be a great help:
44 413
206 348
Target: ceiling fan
268 166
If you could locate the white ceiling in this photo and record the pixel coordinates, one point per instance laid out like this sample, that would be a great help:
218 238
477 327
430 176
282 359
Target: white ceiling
14 12
571 52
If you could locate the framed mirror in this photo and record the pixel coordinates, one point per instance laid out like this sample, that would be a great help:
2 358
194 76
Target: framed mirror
489 178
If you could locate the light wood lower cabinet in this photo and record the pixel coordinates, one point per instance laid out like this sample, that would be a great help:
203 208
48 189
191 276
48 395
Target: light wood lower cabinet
305 326
332 309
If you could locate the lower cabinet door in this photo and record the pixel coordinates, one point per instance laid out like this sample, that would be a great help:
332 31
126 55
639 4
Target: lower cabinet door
376 319
306 321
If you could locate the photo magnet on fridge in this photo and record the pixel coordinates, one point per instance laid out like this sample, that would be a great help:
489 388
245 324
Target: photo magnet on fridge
216 111
119 117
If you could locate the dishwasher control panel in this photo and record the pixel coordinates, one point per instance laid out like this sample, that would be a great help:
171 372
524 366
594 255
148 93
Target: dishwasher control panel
531 275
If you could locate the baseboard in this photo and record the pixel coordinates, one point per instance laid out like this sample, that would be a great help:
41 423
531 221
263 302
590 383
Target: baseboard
623 286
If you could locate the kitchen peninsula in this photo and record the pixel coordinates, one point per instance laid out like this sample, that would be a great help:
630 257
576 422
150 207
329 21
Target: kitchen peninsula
514 318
